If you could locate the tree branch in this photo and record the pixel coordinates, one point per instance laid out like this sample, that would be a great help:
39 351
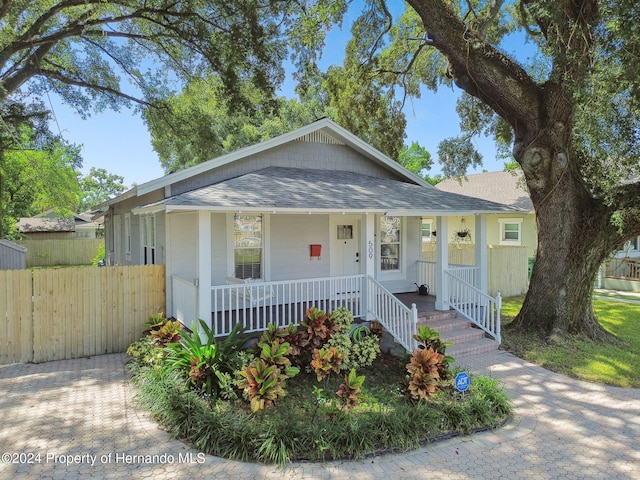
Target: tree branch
478 68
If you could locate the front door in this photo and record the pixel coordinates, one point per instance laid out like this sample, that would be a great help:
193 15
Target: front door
345 245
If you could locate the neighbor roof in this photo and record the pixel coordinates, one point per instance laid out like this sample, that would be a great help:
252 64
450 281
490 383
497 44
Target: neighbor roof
45 224
295 189
506 188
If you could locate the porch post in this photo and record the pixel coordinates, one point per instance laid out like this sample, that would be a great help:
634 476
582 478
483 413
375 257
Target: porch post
481 282
204 266
369 257
442 262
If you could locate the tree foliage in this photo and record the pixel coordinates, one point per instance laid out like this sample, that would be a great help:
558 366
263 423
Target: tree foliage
37 169
568 109
99 186
83 49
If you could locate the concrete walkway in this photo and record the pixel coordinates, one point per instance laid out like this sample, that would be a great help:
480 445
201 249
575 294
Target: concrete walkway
77 419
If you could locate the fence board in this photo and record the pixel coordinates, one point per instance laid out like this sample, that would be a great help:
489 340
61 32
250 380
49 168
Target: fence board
507 266
75 312
50 252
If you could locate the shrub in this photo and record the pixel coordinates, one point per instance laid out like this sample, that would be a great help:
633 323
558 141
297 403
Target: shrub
205 366
350 389
169 332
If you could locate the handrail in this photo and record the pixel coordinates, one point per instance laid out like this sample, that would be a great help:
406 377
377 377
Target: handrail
476 306
398 319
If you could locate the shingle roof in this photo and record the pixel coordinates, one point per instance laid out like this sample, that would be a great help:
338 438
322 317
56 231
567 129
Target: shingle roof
44 224
502 187
306 189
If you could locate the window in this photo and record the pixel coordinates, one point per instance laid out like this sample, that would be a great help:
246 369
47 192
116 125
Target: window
127 234
510 231
427 229
389 243
632 245
148 240
247 248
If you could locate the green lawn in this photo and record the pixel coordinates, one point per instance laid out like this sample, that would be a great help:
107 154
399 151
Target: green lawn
582 359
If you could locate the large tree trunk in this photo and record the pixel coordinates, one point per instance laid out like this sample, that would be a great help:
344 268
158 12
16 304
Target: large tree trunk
574 239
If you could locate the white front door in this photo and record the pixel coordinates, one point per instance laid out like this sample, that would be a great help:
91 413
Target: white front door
345 245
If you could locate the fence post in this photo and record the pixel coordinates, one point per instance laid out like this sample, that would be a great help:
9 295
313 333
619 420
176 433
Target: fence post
499 308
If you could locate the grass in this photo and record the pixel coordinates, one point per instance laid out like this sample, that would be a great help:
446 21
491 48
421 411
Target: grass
309 423
583 359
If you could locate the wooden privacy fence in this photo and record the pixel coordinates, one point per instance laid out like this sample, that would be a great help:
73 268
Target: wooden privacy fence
75 312
46 253
507 266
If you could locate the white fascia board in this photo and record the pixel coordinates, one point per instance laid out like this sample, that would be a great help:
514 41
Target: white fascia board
149 210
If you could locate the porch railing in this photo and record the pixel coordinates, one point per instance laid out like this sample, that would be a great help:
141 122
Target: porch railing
281 303
427 273
473 304
398 319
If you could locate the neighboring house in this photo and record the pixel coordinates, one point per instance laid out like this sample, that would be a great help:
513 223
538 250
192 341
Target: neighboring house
45 228
12 256
88 226
294 215
520 228
507 188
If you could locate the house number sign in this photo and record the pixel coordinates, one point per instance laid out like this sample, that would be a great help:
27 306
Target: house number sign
370 249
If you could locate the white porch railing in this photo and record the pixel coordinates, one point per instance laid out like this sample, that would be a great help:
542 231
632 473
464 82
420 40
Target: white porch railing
473 304
427 274
282 303
399 320
185 300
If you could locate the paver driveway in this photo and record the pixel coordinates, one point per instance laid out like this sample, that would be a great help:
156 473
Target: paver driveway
78 419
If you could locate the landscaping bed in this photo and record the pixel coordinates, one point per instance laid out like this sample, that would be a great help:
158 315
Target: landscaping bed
283 401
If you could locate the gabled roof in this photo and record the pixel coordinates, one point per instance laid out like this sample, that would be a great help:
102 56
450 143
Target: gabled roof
45 224
324 126
506 188
282 189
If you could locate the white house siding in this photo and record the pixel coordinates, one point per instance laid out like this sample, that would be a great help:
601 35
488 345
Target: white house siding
290 237
183 232
219 248
293 155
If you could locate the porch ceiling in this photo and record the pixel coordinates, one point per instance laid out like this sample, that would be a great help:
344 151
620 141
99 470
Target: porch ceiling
293 189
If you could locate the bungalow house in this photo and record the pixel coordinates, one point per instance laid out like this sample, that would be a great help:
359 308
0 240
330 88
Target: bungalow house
312 217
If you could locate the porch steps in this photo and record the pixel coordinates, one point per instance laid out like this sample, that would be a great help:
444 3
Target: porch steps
466 339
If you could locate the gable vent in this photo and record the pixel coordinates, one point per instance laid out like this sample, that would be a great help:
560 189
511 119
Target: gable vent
319 137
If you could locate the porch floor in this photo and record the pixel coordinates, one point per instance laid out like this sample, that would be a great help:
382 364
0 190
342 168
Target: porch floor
424 303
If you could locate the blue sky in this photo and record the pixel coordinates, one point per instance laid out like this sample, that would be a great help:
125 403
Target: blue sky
120 142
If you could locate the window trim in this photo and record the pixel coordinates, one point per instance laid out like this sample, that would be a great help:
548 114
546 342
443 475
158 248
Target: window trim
430 222
398 273
231 262
149 230
127 236
503 222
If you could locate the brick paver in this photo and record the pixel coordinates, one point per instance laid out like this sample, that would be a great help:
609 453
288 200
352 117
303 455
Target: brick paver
77 419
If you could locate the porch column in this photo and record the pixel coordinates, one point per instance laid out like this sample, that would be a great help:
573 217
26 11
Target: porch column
204 266
369 259
442 262
481 253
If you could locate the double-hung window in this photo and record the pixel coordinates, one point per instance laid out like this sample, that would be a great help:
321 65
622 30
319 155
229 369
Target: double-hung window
148 239
248 246
390 251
